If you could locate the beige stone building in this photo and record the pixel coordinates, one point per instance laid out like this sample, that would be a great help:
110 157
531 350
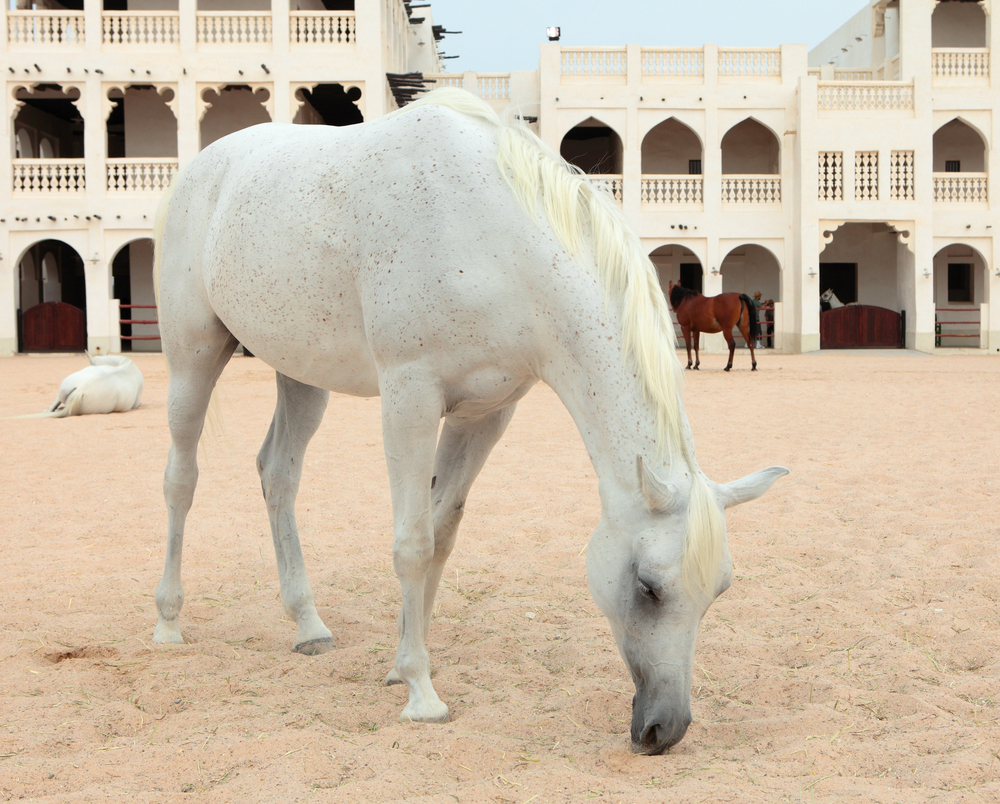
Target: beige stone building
862 166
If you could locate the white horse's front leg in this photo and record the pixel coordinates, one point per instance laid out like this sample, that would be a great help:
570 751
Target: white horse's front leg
410 417
462 451
297 416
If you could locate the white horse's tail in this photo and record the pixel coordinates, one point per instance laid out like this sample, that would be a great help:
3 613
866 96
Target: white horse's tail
70 408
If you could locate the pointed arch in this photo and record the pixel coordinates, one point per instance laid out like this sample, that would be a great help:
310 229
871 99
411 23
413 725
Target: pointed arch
672 148
959 141
594 147
751 148
958 25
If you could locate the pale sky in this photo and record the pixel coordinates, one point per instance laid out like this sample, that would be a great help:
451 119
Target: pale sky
503 35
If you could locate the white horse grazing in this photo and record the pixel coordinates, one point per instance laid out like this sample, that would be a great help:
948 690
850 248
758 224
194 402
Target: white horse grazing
110 384
831 298
446 261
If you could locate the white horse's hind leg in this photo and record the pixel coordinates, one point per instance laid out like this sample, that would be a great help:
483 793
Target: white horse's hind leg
297 416
194 370
462 451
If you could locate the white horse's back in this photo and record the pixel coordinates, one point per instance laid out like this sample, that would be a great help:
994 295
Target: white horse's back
370 277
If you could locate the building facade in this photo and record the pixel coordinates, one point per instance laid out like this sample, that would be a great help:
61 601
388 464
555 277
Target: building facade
862 167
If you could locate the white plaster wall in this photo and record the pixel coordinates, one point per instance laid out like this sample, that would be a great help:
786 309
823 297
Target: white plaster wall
958 25
858 54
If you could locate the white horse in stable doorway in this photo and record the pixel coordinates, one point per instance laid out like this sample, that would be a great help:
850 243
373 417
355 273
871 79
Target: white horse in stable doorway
446 261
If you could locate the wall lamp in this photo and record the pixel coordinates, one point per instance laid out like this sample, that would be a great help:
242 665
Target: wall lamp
812 272
553 34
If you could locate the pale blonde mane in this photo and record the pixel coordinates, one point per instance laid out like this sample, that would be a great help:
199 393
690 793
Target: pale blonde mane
588 223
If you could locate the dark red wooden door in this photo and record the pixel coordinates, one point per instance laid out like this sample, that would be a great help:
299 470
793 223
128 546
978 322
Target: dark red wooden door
53 327
859 326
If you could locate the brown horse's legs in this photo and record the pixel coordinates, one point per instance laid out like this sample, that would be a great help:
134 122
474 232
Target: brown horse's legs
697 346
745 332
731 343
687 342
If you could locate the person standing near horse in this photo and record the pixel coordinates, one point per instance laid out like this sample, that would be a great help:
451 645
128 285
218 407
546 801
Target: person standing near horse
757 303
697 314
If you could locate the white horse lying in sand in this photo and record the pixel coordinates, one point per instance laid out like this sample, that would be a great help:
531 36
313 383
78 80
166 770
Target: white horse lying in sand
446 261
110 384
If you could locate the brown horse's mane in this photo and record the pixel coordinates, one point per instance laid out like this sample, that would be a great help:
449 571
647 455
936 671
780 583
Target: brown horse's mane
678 294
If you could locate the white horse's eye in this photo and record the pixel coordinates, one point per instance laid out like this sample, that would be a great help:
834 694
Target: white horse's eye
647 591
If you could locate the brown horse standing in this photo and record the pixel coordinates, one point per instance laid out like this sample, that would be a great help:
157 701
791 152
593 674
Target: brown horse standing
697 314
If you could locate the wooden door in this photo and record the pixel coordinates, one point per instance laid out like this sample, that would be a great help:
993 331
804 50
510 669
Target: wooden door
53 327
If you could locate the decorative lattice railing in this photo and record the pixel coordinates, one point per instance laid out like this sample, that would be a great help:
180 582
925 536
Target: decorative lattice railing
141 28
865 97
959 188
597 62
227 28
749 63
960 62
42 176
322 28
672 189
675 62
612 182
42 28
755 190
140 175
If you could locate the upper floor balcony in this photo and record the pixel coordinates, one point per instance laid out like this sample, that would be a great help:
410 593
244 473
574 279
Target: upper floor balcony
43 29
679 65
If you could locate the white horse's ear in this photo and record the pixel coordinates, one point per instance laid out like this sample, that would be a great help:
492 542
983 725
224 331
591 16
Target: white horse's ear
660 497
750 487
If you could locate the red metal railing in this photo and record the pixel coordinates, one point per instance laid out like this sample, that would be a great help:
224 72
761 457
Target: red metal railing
939 333
138 321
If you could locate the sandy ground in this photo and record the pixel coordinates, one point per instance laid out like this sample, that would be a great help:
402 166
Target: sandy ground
854 659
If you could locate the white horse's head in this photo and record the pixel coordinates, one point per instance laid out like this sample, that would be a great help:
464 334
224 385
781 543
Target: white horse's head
826 295
637 570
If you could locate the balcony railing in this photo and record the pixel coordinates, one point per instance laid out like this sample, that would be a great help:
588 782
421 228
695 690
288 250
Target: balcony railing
322 28
681 189
612 182
227 28
960 63
750 63
961 188
141 28
456 80
865 97
606 63
493 86
673 63
45 28
852 75
38 176
140 175
753 190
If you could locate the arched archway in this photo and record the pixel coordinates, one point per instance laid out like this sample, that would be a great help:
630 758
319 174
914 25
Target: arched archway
750 148
753 269
232 108
594 147
132 285
959 148
48 118
672 149
52 299
961 285
328 105
678 264
870 270
958 24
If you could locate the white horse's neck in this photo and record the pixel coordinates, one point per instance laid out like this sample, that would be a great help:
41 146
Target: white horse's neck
595 381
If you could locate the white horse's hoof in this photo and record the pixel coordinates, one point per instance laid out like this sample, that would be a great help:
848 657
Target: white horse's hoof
392 677
168 632
314 647
431 713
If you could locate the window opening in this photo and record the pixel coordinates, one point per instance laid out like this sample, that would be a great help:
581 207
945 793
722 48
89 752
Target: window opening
960 282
